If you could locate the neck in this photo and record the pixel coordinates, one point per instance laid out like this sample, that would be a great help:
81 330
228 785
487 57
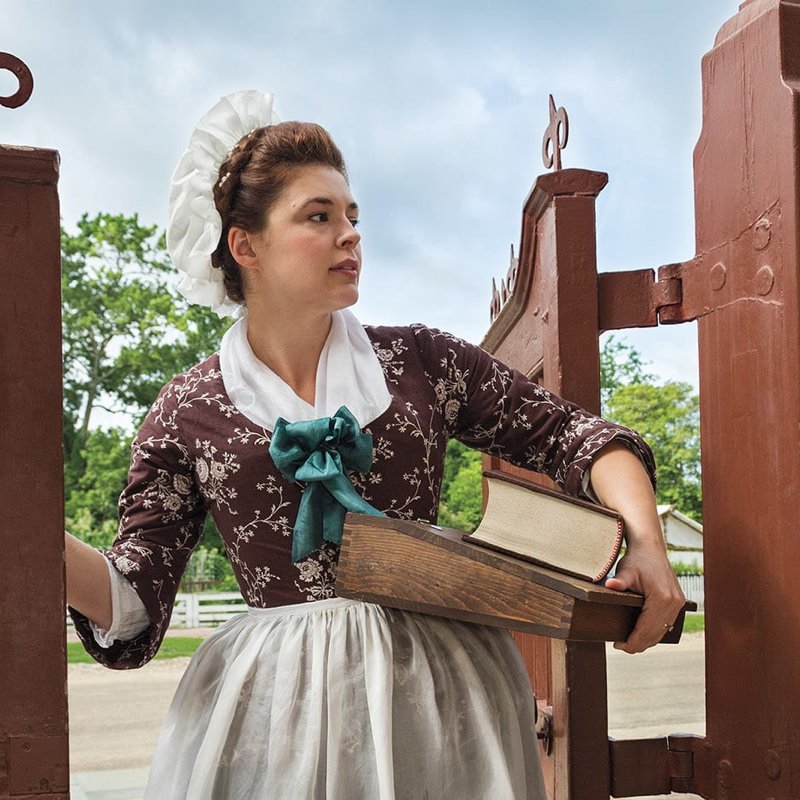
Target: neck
289 342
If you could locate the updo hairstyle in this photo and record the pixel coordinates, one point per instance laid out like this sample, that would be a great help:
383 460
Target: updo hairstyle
252 178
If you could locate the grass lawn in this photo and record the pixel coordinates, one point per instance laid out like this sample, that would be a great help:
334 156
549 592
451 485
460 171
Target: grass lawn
172 647
694 623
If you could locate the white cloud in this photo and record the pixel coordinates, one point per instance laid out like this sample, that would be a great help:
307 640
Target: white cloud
439 109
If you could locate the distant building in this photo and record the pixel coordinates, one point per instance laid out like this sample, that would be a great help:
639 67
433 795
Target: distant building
683 536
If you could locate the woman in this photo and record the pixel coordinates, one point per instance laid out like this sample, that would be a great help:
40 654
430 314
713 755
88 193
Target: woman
309 695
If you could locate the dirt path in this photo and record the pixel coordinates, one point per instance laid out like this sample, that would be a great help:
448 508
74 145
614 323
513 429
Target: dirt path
658 692
115 715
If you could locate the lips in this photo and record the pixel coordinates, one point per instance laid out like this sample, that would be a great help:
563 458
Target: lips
349 265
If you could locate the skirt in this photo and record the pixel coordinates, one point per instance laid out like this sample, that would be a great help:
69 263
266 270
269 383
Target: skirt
343 700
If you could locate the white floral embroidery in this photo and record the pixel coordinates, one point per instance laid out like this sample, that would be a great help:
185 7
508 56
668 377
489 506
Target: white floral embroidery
214 470
390 358
319 572
246 436
255 579
182 484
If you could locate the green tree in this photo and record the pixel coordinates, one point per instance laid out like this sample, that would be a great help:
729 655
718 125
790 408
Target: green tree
106 454
461 503
667 415
621 364
126 332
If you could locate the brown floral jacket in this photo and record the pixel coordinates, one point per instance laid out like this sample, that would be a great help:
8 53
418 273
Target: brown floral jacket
196 454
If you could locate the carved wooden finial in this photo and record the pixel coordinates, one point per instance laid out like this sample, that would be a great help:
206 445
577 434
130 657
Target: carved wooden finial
555 136
24 78
511 276
495 305
503 295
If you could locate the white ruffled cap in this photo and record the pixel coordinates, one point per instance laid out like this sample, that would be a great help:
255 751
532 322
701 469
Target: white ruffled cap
195 225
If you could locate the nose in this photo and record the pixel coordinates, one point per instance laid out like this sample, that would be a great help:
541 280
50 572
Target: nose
349 236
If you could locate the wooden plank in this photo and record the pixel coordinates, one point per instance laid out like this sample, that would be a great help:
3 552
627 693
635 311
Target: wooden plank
626 300
639 767
373 567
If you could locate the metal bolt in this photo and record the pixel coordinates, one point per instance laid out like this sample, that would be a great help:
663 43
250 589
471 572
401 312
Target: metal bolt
762 233
772 765
725 774
765 280
544 728
718 276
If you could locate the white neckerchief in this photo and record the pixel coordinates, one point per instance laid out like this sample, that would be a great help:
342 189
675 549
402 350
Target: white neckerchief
348 374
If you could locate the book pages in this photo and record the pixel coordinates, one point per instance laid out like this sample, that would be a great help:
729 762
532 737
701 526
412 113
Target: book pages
549 530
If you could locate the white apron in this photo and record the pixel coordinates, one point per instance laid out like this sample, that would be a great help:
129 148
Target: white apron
343 700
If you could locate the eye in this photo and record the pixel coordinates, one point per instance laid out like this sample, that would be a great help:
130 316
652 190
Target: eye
320 216
355 222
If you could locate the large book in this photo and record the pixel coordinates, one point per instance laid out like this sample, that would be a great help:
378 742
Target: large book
546 527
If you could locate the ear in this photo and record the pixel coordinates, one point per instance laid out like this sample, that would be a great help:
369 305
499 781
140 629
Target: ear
241 245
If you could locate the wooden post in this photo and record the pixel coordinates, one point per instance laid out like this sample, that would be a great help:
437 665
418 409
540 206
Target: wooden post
33 676
548 329
743 288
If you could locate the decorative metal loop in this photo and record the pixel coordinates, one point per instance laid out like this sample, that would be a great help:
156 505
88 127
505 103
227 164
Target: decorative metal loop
555 136
24 78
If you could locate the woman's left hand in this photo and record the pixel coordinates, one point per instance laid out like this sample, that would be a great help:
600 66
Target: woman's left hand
646 570
621 482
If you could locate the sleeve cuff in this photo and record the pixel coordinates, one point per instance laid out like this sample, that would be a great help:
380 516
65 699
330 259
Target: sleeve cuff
129 616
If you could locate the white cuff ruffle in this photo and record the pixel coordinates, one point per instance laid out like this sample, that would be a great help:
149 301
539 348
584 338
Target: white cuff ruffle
129 617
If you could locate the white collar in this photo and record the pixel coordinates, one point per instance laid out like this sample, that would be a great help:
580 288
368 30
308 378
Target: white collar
348 374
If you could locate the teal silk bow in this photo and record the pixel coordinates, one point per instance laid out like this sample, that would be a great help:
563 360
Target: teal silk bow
317 452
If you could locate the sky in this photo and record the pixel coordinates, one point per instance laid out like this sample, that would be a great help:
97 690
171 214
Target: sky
438 107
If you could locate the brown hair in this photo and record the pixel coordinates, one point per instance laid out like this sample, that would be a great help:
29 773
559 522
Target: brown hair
253 177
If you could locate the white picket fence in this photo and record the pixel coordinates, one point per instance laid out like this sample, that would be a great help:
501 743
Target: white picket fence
209 609
206 610
694 589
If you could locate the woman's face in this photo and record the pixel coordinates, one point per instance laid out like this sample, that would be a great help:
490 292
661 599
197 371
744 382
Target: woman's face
308 257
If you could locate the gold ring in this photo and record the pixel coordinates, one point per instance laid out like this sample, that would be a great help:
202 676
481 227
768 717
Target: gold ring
668 628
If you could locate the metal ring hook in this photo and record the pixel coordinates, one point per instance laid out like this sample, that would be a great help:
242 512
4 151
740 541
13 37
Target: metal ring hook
24 78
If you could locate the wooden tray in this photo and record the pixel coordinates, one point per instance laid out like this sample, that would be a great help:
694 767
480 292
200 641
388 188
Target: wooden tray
429 569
